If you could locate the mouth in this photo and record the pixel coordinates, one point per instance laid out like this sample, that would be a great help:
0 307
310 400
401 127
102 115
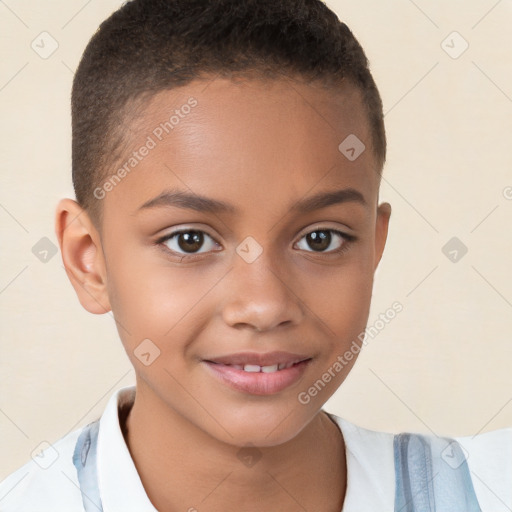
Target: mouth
259 374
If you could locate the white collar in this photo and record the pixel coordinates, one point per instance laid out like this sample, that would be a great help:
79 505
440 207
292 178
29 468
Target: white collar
119 483
370 466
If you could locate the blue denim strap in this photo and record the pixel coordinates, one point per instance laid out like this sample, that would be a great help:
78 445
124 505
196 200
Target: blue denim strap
84 459
432 475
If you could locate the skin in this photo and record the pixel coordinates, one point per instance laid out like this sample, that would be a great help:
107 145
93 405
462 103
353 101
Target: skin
260 146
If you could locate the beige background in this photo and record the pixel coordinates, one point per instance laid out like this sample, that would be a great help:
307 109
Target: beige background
442 365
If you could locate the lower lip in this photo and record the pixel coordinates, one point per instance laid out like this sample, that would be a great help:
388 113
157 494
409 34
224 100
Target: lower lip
258 383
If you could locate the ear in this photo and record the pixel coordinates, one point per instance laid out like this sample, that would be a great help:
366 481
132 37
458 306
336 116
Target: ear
381 231
82 255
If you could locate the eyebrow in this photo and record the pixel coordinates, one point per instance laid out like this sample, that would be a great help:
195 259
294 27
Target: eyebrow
186 200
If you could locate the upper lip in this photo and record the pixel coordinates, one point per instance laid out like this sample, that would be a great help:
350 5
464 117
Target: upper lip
260 359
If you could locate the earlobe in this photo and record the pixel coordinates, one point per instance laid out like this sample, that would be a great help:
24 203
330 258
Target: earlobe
381 231
82 255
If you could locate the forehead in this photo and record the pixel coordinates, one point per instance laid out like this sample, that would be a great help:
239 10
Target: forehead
245 141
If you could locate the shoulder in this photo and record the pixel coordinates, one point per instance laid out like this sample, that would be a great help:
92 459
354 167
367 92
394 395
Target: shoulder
495 445
489 459
48 482
375 455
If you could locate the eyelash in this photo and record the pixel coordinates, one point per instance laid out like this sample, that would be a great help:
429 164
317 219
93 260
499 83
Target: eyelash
348 240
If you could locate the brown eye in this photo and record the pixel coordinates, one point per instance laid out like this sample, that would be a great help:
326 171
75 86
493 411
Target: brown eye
320 240
189 241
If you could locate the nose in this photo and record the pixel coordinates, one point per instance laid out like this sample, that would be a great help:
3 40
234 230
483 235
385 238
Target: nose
261 295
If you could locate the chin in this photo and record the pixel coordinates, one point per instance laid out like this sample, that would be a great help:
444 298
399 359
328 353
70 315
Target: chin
258 430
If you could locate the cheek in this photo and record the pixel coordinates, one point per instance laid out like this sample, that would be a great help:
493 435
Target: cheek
341 295
343 303
153 299
150 309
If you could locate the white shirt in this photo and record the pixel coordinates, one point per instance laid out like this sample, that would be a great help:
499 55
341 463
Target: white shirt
49 483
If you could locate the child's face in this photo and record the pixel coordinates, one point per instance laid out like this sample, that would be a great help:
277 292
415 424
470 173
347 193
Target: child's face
255 282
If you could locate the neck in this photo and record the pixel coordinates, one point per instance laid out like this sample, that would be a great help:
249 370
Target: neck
183 468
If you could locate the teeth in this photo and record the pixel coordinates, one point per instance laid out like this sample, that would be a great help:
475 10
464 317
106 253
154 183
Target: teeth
252 368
